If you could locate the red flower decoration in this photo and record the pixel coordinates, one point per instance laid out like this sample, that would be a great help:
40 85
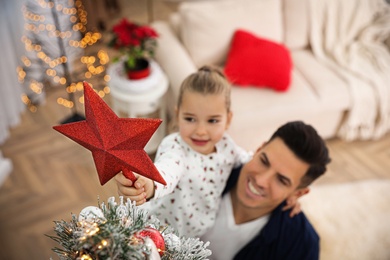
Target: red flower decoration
134 40
117 144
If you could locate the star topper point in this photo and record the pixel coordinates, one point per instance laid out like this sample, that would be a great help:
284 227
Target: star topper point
117 144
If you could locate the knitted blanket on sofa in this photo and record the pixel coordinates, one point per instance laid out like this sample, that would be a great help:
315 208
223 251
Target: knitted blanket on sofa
348 36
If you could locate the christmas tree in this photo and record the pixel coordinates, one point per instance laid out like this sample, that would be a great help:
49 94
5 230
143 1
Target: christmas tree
122 231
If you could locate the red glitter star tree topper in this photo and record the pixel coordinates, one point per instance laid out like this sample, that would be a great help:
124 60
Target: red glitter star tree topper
117 144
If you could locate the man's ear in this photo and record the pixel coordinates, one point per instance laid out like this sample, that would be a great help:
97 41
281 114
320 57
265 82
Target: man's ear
292 201
300 192
293 198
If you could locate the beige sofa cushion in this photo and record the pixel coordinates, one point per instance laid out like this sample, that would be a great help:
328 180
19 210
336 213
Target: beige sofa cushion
207 28
266 109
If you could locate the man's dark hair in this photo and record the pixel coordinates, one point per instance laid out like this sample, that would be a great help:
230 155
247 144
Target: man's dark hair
307 145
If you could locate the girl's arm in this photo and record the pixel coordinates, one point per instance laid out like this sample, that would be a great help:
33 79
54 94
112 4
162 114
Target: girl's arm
169 162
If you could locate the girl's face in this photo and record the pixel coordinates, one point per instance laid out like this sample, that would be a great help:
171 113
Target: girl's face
202 120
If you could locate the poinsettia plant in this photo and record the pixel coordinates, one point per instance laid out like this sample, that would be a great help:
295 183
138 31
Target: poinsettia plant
134 41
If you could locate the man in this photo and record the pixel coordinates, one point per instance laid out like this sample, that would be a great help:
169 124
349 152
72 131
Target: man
251 223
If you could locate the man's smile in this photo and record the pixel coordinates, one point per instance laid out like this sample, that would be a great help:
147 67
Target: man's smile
253 189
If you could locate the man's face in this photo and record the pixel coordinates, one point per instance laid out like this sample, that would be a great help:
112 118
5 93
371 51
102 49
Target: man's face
270 177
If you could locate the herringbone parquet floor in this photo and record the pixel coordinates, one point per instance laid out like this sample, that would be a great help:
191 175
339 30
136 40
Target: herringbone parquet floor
54 177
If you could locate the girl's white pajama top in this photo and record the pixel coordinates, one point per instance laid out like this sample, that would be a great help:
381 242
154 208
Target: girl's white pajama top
190 200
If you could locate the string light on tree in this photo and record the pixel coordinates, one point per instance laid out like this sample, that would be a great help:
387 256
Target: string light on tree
122 231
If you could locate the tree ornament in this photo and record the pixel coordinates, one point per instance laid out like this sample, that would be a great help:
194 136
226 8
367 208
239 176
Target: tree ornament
91 214
151 249
121 210
117 144
155 236
172 241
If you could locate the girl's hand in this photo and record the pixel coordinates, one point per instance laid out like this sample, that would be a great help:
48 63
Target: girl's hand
294 205
142 189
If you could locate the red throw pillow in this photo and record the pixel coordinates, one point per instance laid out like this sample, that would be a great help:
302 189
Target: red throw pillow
253 61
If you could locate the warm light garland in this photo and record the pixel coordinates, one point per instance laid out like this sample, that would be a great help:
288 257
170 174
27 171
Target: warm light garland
38 24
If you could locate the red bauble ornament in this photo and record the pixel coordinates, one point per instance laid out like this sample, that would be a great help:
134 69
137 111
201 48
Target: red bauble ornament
155 236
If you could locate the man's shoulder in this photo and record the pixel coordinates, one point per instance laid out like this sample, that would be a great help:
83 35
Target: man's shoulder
283 238
299 226
289 238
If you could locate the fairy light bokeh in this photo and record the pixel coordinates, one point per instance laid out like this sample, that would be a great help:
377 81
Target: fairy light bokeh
91 65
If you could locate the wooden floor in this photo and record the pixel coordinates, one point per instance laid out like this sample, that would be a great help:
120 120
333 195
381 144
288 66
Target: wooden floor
54 177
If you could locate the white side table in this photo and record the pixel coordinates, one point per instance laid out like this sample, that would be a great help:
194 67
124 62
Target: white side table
140 98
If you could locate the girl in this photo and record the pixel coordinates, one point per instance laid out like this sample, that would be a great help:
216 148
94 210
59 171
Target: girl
195 162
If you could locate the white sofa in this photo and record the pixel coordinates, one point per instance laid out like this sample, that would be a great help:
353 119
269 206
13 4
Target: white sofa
200 33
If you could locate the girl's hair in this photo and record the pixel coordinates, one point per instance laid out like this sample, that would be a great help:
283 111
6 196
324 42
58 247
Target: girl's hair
207 80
